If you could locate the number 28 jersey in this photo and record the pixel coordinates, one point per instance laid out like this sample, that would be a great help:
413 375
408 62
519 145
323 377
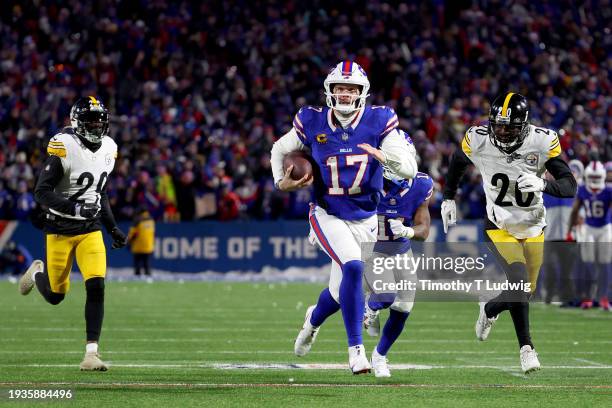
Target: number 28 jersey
350 179
85 172
521 214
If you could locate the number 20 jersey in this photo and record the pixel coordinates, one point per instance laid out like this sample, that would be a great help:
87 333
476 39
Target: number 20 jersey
521 214
85 172
351 179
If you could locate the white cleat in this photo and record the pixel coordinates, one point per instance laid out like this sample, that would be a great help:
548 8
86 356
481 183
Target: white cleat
358 361
92 362
26 282
484 324
379 364
371 322
306 337
529 359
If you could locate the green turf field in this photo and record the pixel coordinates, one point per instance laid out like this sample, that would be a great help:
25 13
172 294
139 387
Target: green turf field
231 344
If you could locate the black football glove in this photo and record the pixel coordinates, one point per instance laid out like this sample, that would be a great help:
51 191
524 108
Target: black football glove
119 238
86 210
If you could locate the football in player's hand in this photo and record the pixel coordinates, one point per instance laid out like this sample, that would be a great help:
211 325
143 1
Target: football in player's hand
301 164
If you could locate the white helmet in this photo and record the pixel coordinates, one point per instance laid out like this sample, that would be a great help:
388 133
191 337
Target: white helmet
387 173
346 72
595 176
577 169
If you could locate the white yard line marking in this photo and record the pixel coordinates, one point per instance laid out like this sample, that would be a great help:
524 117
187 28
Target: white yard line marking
204 340
514 373
228 329
109 385
310 366
395 352
584 360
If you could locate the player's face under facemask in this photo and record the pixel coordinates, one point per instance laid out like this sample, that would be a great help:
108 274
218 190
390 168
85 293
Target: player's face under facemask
346 97
93 125
506 136
506 133
596 182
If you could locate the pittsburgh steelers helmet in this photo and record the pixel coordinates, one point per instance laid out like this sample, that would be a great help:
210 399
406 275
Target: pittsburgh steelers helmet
89 119
508 121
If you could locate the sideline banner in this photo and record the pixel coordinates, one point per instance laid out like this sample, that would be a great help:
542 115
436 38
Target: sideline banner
224 246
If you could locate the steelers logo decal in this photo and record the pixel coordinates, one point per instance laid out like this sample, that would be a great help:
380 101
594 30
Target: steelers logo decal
531 159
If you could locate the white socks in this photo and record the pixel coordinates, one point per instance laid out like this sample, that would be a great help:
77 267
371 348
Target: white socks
91 348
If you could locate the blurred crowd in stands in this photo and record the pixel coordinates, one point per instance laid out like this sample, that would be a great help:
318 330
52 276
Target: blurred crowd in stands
199 91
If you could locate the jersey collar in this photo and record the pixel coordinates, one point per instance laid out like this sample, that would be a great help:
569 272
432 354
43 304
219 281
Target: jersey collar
398 190
333 123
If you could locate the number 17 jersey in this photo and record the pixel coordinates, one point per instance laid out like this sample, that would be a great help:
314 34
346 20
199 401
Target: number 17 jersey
521 214
350 179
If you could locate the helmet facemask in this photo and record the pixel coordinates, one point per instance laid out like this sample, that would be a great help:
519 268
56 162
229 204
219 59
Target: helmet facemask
596 183
595 177
90 122
507 134
507 137
345 98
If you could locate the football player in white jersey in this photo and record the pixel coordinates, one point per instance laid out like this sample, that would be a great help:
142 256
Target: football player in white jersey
512 156
72 189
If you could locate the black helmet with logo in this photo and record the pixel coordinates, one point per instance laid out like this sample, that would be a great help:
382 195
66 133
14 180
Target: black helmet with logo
89 119
508 121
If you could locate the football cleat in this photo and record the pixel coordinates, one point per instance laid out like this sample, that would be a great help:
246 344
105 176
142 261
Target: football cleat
358 361
484 324
92 362
529 359
306 337
371 321
586 304
379 364
26 282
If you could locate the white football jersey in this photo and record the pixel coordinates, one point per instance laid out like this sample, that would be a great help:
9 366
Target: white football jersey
521 214
85 172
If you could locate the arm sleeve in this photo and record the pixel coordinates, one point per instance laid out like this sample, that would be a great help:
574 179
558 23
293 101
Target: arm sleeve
51 174
456 170
288 143
400 156
564 185
108 220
